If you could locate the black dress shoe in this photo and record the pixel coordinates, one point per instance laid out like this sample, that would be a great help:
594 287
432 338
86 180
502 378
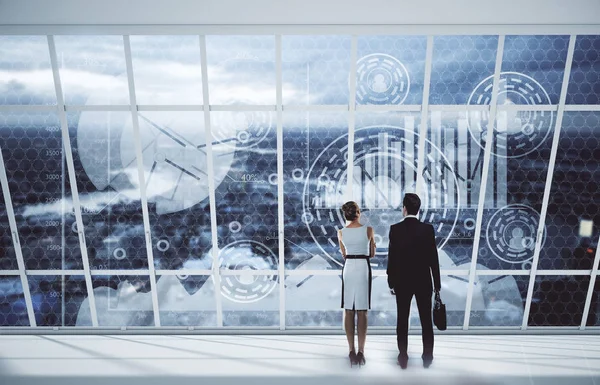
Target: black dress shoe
402 361
360 357
427 362
353 359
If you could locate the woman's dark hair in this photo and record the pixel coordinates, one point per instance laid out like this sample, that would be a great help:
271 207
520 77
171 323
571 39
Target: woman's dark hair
412 203
350 210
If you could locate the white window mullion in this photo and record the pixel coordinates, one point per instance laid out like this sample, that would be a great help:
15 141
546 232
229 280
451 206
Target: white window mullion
590 293
351 118
489 138
62 115
184 272
549 175
280 200
120 272
241 107
142 179
216 268
424 116
301 108
27 108
97 107
582 107
16 243
351 124
54 272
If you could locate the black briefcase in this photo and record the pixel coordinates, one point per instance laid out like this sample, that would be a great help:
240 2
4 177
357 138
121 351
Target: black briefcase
439 312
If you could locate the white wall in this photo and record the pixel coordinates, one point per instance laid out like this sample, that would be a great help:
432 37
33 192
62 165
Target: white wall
236 12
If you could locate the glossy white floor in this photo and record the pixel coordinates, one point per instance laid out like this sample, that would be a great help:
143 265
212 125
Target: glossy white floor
291 360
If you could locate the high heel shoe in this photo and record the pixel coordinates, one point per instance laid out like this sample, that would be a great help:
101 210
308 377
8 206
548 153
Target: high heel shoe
360 357
352 356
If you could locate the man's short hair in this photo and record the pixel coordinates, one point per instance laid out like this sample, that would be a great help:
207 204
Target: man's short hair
412 203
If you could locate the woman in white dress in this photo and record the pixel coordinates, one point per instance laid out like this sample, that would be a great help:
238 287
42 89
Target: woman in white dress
357 244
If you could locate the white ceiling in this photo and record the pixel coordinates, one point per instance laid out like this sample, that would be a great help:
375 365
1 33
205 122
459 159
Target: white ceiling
299 12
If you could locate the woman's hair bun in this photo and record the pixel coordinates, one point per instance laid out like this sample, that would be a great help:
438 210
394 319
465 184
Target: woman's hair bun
350 210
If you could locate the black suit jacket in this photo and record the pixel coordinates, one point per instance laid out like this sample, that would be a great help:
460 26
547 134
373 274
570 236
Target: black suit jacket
413 257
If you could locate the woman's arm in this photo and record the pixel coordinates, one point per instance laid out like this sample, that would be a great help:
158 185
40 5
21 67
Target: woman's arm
372 246
342 248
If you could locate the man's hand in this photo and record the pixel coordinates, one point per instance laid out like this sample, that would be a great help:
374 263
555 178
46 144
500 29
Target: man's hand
392 291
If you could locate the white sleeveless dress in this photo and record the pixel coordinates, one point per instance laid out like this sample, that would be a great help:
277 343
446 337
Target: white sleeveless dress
356 273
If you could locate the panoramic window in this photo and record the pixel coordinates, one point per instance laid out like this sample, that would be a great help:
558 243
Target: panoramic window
196 181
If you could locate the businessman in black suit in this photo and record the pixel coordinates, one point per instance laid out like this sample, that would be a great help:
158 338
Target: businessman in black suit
412 261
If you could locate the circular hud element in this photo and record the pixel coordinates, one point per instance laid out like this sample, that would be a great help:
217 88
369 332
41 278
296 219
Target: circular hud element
381 79
384 168
119 253
511 233
247 256
241 129
163 245
517 133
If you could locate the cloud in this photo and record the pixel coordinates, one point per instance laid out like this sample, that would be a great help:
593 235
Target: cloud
34 84
90 203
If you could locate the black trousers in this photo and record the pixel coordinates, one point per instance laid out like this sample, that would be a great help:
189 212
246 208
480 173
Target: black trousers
403 300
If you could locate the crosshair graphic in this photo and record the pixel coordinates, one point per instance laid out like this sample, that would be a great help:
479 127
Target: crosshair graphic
517 133
385 167
511 233
241 129
381 79
245 256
